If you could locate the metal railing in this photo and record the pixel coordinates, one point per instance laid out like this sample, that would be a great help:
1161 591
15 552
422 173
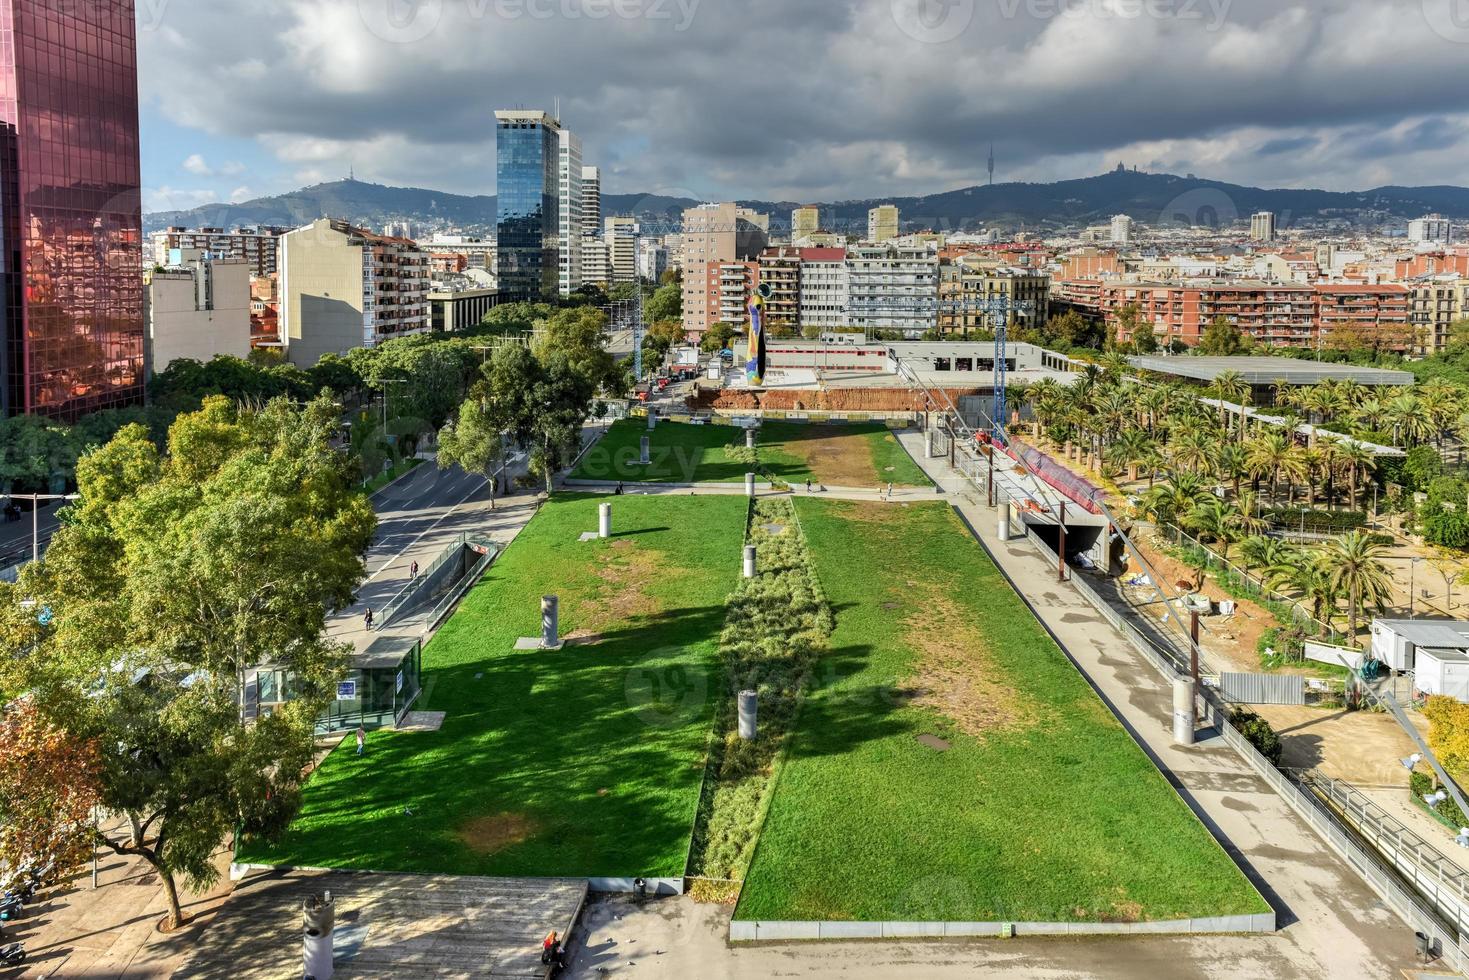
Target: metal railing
404 598
466 582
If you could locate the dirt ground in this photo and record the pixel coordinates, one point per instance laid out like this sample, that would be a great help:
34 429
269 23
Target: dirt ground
835 456
496 832
1362 747
626 569
1229 640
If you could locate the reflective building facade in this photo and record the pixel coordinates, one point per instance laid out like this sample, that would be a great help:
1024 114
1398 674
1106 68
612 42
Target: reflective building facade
70 207
528 207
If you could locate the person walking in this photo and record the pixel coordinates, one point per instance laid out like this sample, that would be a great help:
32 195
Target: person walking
413 572
808 484
367 618
890 491
361 739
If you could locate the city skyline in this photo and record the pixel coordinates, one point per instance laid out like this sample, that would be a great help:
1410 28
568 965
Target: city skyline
1243 91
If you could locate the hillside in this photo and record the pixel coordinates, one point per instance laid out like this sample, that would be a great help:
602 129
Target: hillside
1150 198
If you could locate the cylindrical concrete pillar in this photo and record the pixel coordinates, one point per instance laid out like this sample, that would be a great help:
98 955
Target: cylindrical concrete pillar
749 438
644 457
928 444
749 701
749 561
550 630
1183 710
652 418
749 484
604 520
1003 525
317 918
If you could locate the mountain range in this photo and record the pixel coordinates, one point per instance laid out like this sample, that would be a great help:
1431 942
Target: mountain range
1153 199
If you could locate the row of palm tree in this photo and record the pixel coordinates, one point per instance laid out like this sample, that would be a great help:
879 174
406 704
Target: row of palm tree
1211 470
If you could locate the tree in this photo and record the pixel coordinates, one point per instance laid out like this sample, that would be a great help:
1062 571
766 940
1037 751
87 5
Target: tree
1356 570
170 579
473 442
666 303
49 784
718 337
661 337
577 335
542 403
1222 339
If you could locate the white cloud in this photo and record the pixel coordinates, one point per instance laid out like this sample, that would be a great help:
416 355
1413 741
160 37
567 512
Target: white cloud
240 194
828 100
195 164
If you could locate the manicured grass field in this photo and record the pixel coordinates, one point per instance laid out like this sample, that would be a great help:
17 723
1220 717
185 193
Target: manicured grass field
858 454
585 761
1030 802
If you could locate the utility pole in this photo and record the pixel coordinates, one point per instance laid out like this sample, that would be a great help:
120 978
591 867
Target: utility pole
1061 551
35 499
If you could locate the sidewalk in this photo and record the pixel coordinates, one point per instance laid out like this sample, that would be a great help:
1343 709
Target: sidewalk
1331 923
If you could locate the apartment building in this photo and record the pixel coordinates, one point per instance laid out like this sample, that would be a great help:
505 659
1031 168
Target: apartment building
1262 226
591 200
652 259
621 237
458 302
256 247
805 221
780 270
714 234
1378 315
882 223
824 293
730 285
265 311
1121 229
460 253
973 287
596 269
197 307
1430 228
1437 303
344 287
893 288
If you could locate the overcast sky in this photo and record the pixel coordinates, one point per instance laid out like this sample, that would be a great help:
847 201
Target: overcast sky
802 99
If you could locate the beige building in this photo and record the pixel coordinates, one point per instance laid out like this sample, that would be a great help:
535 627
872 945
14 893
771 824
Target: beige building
714 234
196 308
882 223
1262 226
1437 303
621 236
257 246
596 270
805 221
969 284
344 287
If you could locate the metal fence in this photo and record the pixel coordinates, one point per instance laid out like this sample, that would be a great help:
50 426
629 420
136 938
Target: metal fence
1262 688
1251 585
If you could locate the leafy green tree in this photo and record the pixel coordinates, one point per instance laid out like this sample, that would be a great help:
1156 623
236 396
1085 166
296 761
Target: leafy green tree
169 579
718 337
543 403
1222 339
474 442
666 303
577 336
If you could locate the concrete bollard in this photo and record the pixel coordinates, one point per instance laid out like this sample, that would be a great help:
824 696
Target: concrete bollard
644 457
749 561
749 702
652 419
1183 710
749 438
1004 526
550 629
317 920
604 520
928 444
749 484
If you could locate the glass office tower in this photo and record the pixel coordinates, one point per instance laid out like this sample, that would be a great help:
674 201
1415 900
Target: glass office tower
70 207
527 206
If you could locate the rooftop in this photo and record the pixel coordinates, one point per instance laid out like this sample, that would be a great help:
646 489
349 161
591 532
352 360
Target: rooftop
1268 370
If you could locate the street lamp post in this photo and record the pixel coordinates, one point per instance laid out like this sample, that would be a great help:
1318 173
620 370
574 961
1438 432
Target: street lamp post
35 499
1412 583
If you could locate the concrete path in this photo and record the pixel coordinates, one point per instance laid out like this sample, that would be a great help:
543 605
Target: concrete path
1332 924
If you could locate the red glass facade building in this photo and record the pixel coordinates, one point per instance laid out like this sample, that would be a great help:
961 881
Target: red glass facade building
70 207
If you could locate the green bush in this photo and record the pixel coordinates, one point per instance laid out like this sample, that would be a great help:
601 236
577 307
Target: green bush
1259 733
1323 521
1420 784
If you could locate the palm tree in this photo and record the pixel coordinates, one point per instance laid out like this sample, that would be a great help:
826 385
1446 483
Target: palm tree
1228 386
1216 520
1192 450
1355 568
1268 453
1260 551
1408 417
1356 461
1130 449
1231 463
1370 414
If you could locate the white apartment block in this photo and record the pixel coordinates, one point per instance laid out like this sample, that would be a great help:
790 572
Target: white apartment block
591 200
197 307
824 292
571 194
1121 229
1430 228
256 246
479 253
343 287
652 259
595 267
893 288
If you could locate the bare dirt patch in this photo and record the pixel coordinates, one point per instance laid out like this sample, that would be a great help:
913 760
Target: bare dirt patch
492 834
957 677
625 570
837 456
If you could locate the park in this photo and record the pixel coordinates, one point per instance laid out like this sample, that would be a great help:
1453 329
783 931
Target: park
925 751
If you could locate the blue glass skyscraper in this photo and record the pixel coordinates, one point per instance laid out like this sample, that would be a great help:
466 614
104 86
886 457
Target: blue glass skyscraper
527 207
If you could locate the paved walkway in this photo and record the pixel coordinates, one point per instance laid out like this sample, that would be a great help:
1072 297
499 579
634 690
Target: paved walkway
1331 923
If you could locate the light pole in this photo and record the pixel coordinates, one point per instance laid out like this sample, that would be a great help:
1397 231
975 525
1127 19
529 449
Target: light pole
35 498
1412 580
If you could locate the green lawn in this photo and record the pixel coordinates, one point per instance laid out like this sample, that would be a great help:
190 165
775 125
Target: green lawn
585 761
1042 808
859 454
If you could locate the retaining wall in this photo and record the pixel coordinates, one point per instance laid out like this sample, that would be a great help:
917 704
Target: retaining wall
768 931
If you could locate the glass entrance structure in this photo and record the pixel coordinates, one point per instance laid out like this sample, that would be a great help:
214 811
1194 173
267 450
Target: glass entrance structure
381 684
